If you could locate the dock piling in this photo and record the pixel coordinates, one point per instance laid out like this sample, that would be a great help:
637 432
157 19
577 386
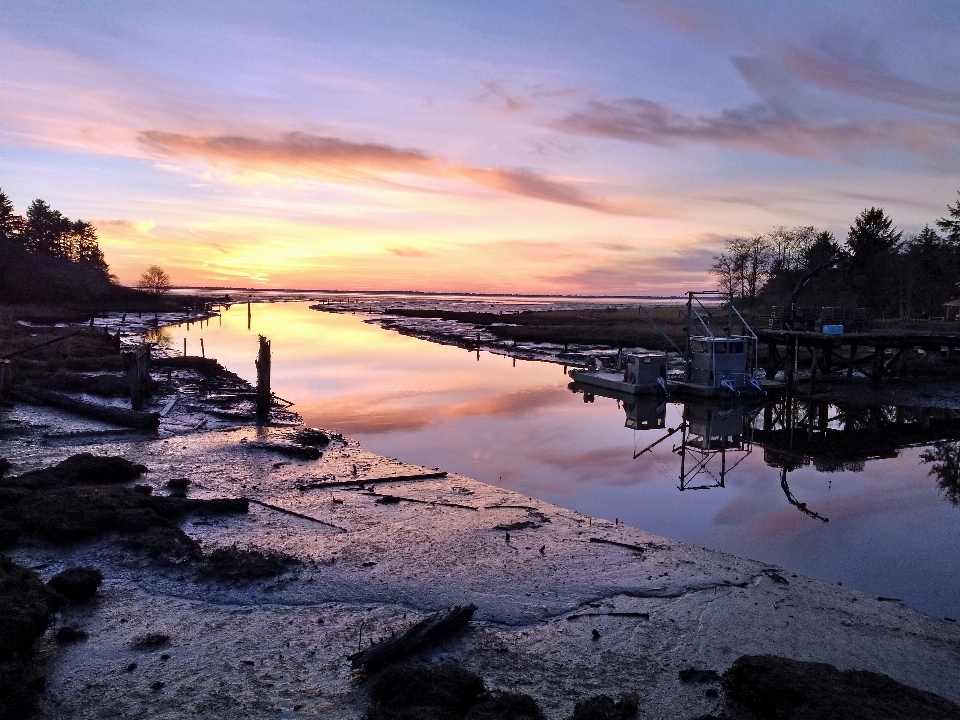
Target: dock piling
263 381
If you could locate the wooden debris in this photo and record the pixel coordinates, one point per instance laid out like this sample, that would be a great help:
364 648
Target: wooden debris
278 509
372 481
628 546
303 452
425 633
394 499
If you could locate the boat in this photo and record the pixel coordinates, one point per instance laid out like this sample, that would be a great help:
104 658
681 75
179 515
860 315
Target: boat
638 373
720 365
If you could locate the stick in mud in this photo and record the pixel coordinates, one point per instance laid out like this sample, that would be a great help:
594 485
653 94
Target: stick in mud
392 499
372 481
628 546
425 633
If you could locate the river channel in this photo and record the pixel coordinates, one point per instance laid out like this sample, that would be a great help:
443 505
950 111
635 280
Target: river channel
842 494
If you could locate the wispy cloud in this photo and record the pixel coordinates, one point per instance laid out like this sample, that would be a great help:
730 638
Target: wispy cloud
762 127
407 252
298 153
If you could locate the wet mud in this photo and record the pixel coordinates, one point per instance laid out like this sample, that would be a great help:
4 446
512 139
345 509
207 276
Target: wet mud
206 610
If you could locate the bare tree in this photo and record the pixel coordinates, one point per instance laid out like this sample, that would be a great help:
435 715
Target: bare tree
154 279
743 267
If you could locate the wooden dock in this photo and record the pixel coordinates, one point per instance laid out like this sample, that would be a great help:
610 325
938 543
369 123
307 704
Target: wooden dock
872 354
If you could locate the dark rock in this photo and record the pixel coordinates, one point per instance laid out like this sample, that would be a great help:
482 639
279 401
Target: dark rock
77 584
416 690
312 437
27 607
68 634
765 686
158 685
505 706
82 469
693 675
603 707
151 641
236 565
178 483
4 466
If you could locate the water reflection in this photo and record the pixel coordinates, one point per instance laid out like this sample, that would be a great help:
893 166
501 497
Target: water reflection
945 465
517 425
160 337
715 437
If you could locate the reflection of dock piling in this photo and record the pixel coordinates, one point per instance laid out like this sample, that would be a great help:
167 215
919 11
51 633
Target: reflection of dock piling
263 381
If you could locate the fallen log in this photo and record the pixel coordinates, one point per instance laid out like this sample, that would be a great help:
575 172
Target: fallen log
372 481
425 633
628 546
394 499
106 413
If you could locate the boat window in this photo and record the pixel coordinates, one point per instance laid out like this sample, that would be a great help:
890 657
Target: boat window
737 348
720 348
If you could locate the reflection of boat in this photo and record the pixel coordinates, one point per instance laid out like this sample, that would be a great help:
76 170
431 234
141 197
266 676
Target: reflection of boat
715 437
643 412
635 374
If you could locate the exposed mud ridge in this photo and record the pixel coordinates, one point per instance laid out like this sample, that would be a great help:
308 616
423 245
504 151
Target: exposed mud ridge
60 505
240 565
764 686
27 607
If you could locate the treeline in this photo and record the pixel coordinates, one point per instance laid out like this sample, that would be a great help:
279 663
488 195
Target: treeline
47 257
876 268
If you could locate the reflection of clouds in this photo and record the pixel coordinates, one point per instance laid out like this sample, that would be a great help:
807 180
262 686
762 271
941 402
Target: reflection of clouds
371 414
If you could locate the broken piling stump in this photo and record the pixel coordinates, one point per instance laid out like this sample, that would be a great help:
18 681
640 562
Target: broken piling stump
425 633
263 381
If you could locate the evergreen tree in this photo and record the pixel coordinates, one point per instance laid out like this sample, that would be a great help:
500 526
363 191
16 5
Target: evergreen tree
951 225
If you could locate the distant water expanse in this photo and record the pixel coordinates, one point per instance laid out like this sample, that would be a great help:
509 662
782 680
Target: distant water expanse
892 531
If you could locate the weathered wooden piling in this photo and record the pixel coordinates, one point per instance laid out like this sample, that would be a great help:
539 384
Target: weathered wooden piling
6 379
263 381
203 352
249 315
138 374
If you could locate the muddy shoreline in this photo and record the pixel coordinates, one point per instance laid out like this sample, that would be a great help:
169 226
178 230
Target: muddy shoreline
568 606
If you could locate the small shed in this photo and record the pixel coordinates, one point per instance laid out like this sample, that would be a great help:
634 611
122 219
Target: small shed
954 306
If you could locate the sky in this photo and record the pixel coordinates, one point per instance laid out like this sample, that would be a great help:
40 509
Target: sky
573 147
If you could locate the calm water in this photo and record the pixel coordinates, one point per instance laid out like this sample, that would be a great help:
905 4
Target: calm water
891 532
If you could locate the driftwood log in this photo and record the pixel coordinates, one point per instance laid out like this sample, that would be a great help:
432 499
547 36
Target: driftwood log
425 633
105 413
372 481
302 452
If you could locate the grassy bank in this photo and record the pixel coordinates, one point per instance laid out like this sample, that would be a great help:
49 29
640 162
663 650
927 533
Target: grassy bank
616 327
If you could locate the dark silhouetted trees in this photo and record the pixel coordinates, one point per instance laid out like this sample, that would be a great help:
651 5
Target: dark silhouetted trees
877 268
46 256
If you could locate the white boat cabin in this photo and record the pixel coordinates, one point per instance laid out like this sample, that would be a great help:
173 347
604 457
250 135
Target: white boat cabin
716 361
645 368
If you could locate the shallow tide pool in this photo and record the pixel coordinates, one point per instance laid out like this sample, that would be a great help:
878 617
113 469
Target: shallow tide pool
891 530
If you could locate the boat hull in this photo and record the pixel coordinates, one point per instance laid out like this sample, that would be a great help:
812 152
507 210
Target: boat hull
614 381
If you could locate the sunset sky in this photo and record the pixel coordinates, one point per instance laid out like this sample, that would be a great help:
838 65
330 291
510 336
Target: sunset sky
588 146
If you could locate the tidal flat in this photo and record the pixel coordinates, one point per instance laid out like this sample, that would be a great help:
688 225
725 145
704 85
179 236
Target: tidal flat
353 546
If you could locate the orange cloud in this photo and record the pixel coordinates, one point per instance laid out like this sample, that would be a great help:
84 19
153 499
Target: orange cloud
313 155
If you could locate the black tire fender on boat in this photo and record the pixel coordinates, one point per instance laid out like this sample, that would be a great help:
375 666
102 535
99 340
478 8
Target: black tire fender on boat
631 378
